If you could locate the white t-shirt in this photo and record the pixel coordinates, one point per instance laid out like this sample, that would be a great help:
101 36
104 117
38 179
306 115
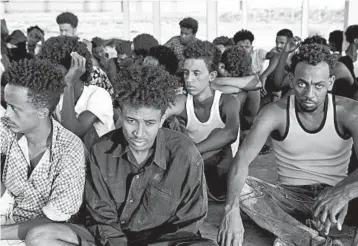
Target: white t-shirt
98 101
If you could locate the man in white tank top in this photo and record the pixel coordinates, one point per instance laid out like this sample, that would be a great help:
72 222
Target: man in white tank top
211 119
313 132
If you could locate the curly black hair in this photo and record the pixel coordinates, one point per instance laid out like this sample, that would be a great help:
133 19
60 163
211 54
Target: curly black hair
315 39
336 38
314 54
67 18
43 79
35 27
351 33
166 57
190 23
206 51
285 32
243 35
58 51
124 47
97 42
142 43
223 40
145 86
237 62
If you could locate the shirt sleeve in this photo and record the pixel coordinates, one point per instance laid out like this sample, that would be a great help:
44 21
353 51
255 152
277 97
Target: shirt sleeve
102 210
100 104
5 136
68 187
193 207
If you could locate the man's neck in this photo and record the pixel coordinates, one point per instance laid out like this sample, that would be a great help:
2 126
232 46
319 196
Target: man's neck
141 156
40 135
201 98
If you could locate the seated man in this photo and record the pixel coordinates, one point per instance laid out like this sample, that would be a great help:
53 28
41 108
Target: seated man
67 23
43 164
124 59
145 185
211 119
35 38
312 134
188 29
84 109
141 45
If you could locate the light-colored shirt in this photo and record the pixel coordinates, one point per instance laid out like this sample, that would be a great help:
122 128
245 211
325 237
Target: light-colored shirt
55 186
96 100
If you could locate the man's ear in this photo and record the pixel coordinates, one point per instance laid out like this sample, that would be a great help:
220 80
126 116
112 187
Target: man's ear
212 76
291 78
43 113
331 82
355 41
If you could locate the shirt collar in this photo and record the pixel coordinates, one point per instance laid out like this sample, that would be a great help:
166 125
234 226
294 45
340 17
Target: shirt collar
123 148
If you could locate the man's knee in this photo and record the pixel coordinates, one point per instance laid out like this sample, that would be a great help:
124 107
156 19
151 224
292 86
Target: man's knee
47 233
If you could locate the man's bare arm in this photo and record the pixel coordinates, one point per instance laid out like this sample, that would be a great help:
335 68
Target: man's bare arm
268 120
243 83
177 107
227 135
19 231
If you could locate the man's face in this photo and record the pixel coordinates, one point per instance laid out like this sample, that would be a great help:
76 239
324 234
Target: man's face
140 126
280 42
246 44
311 84
67 30
197 76
186 35
21 114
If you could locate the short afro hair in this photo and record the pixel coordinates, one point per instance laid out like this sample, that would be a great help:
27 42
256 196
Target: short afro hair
314 54
351 33
44 81
189 23
315 39
285 32
67 18
336 38
142 43
58 51
34 28
166 57
244 35
145 86
237 62
97 42
206 51
124 47
223 40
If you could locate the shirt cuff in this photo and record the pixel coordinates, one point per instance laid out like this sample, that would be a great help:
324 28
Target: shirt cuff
55 214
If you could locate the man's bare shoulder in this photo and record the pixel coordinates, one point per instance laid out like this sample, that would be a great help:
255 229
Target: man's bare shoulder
346 108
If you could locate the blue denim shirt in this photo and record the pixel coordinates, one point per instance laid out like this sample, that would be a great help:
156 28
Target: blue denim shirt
167 195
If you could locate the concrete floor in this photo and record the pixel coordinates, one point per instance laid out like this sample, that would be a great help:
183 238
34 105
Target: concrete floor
264 168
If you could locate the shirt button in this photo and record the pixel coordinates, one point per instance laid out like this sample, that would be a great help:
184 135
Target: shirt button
123 222
137 176
131 200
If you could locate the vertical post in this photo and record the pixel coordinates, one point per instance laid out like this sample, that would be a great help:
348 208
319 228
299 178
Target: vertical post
47 6
156 20
304 19
86 6
350 18
6 6
2 9
211 19
244 10
139 8
101 5
292 15
126 20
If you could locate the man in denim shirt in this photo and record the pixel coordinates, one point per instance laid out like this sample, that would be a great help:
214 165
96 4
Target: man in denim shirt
145 185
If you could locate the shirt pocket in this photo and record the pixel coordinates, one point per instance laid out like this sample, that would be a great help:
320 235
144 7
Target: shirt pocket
159 201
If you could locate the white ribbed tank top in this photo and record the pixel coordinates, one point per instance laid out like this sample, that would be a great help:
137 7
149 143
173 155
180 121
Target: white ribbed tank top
307 157
197 130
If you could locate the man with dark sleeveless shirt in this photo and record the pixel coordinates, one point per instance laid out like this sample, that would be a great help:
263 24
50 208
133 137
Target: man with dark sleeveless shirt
312 133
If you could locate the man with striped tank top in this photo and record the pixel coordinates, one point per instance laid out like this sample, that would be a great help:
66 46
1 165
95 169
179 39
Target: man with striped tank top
209 118
312 133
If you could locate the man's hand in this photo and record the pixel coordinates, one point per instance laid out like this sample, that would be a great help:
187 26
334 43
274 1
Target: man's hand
292 44
77 69
330 207
263 89
231 232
